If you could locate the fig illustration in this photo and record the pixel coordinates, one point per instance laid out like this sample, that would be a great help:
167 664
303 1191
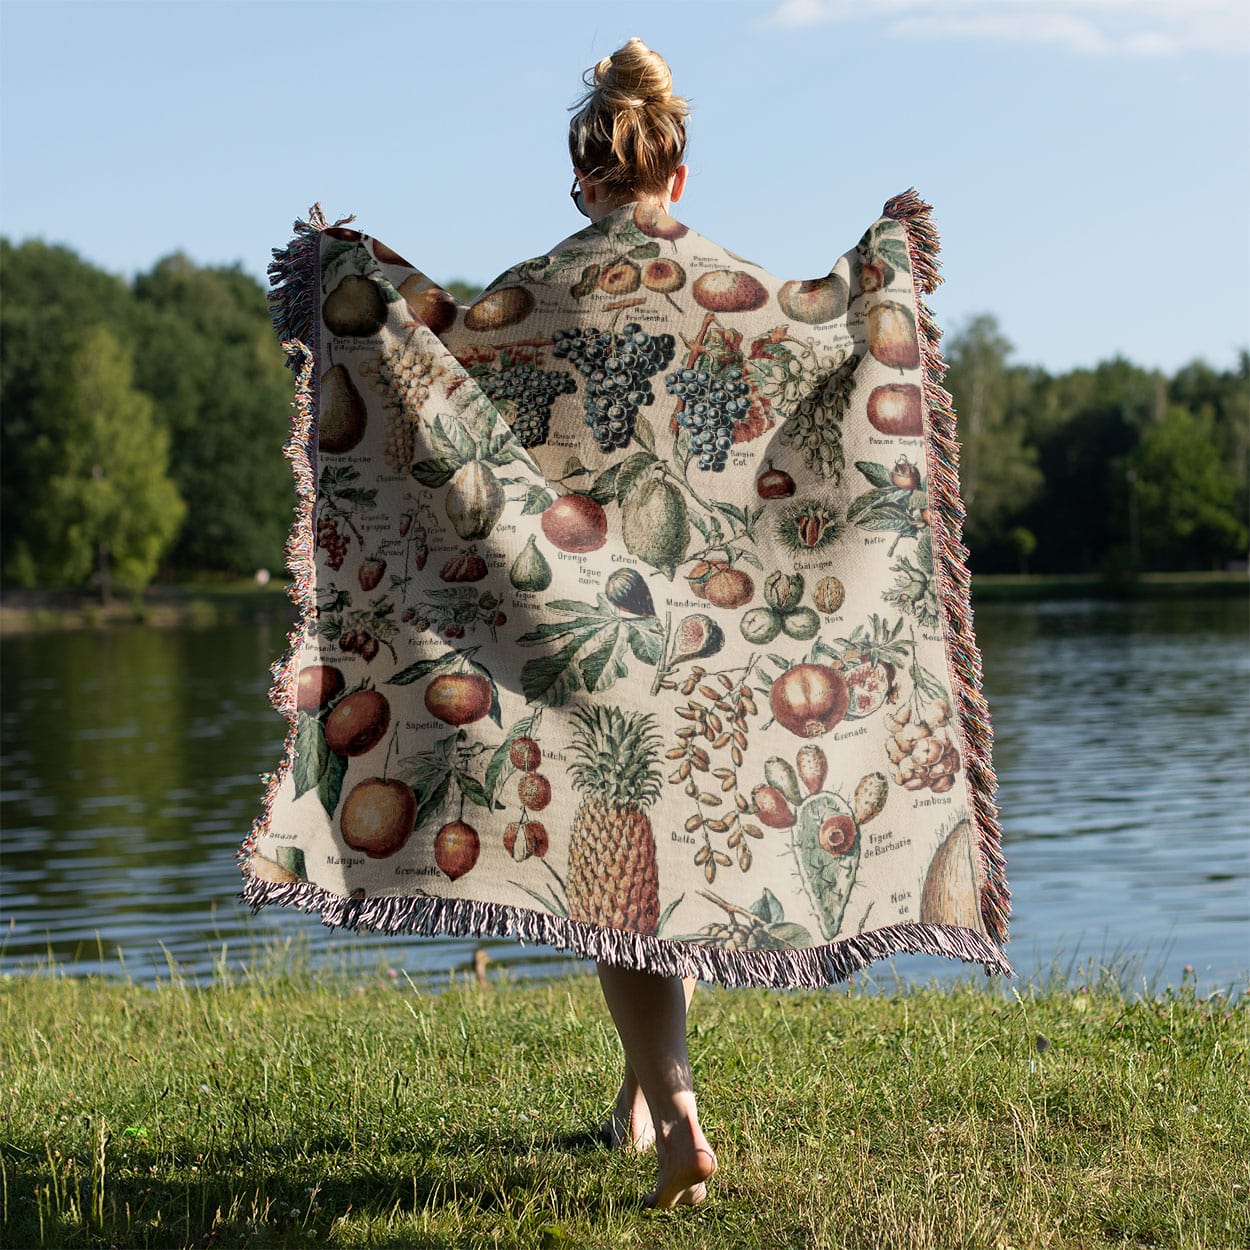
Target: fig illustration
895 409
656 524
626 590
355 308
456 848
575 523
774 484
458 698
500 308
378 816
342 416
814 301
530 570
357 723
316 686
534 791
621 278
809 699
695 638
664 276
892 335
474 500
656 223
428 302
728 290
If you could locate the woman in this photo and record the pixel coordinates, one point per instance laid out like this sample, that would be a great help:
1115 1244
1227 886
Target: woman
632 595
628 141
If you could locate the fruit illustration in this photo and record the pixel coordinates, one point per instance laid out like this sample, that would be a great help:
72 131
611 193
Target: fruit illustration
342 419
655 223
905 475
429 303
774 484
612 878
695 638
783 591
387 256
892 335
826 844
575 523
534 791
354 308
626 590
813 767
621 278
530 570
801 624
873 275
809 699
870 797
808 525
370 572
656 524
344 234
728 587
378 816
950 890
922 752
779 774
456 848
728 290
500 308
458 698
270 870
467 567
664 276
772 808
357 723
316 686
525 754
523 840
895 409
760 625
870 684
829 596
816 301
475 500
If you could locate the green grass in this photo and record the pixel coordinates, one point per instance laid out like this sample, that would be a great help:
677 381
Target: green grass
291 1109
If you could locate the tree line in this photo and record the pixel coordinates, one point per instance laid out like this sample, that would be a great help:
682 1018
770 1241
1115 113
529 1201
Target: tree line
143 423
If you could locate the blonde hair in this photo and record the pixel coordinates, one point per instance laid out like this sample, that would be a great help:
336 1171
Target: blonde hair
629 132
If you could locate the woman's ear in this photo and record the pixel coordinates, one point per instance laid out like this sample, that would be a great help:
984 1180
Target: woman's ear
678 184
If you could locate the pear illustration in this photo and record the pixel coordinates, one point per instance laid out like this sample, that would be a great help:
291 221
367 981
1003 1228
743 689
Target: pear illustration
342 423
355 307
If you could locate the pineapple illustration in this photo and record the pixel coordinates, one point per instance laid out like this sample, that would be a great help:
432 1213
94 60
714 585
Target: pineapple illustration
612 876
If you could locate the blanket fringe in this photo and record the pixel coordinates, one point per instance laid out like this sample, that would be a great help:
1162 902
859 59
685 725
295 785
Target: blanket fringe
809 968
951 565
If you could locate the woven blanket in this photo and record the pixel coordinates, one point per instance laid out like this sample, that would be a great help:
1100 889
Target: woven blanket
634 614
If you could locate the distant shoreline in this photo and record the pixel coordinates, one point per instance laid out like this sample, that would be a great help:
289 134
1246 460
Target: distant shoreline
194 604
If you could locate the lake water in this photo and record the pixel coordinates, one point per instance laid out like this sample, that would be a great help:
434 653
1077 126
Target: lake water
131 759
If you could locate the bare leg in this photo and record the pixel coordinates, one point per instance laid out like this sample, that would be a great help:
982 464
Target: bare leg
629 1125
650 1015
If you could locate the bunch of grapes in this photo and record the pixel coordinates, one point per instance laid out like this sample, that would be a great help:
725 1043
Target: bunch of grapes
617 369
331 541
403 376
710 406
532 391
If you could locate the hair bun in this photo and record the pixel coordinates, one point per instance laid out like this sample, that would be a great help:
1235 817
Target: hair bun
634 76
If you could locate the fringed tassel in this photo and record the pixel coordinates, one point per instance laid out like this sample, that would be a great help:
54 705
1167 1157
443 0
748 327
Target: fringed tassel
950 561
786 969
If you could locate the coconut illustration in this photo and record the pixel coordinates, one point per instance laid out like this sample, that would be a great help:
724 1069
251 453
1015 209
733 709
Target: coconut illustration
950 894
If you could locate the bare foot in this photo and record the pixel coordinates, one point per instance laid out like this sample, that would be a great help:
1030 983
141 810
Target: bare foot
629 1126
686 1164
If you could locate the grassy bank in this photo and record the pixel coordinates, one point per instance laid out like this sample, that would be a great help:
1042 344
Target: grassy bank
285 1110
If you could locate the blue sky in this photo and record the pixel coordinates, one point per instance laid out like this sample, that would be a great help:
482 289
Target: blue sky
1087 159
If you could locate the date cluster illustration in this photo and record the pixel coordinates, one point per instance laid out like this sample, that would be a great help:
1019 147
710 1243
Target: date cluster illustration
622 604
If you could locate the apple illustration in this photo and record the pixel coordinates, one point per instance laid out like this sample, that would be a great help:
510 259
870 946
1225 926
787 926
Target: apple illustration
814 301
895 409
892 335
729 290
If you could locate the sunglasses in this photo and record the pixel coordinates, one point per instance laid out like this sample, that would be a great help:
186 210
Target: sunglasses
576 196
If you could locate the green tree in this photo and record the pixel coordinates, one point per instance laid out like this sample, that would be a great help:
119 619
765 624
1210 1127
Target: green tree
103 503
1186 494
998 469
